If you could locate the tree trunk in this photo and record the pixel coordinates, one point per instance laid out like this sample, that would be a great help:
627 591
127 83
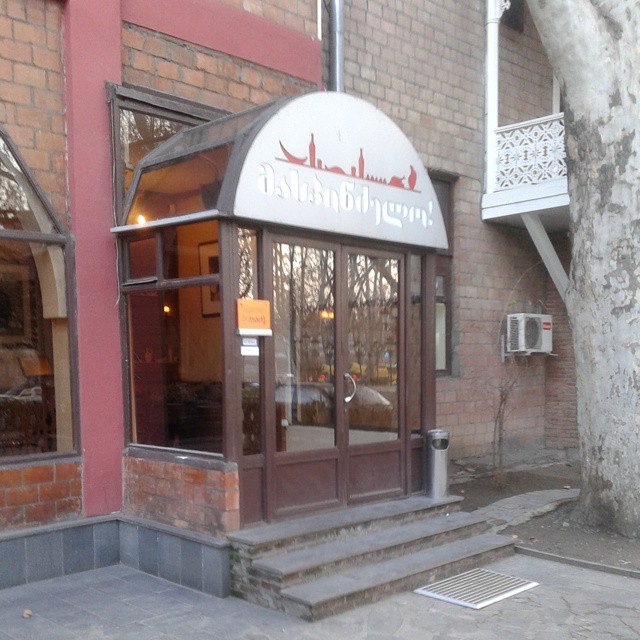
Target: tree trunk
592 45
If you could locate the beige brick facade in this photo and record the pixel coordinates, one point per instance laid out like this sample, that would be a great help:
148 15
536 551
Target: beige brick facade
526 78
424 66
560 409
299 15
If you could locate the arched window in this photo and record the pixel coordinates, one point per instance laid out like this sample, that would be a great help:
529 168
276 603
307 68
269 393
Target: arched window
35 381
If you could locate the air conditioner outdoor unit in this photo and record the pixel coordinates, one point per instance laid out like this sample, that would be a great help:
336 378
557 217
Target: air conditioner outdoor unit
529 333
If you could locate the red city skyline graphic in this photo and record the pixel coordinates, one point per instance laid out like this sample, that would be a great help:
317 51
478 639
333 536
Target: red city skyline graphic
314 162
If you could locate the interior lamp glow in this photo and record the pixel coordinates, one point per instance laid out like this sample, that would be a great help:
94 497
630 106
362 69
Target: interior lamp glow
141 219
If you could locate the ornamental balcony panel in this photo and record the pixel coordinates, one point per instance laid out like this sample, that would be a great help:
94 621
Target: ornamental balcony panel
529 174
530 152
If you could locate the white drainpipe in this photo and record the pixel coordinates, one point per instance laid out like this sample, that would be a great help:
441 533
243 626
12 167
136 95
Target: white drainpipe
495 9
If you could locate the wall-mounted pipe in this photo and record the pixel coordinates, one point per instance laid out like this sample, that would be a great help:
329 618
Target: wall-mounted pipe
492 63
336 44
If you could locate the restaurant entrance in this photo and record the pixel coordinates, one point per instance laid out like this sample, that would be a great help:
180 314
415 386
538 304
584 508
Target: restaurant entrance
337 365
287 254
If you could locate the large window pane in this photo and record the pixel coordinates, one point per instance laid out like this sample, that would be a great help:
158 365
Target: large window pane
249 346
35 403
189 185
191 250
373 348
176 370
303 315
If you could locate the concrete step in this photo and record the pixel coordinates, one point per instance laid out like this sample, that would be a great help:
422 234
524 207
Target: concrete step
295 534
293 567
334 593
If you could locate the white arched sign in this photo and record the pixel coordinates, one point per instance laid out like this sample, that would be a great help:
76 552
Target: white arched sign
331 162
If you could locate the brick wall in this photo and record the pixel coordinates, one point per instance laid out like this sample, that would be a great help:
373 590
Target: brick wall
560 411
155 61
32 87
39 494
32 111
197 499
526 77
496 272
295 14
423 65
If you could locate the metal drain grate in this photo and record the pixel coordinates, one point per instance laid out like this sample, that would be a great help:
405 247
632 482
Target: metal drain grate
476 589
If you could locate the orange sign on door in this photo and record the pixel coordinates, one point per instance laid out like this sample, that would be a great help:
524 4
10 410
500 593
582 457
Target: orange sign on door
254 317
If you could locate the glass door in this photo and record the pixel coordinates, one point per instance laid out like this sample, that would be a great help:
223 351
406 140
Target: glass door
372 348
304 343
372 345
303 457
335 434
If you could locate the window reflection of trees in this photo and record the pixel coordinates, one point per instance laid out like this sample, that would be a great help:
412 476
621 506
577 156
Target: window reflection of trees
303 300
140 133
35 405
20 206
12 197
247 254
373 316
251 391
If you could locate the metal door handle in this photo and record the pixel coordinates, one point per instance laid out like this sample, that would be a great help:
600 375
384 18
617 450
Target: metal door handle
348 399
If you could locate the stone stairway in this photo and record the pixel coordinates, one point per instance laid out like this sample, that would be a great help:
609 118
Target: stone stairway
320 565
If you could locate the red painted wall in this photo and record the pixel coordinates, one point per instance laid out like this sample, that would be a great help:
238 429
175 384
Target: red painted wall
223 28
92 57
91 32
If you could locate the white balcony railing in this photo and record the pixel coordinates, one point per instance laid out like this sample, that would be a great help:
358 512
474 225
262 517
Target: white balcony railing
530 153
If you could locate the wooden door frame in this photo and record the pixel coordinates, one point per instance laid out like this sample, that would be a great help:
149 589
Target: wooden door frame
274 460
406 444
353 451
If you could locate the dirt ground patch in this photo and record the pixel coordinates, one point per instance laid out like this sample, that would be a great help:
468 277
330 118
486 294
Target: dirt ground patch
481 490
559 532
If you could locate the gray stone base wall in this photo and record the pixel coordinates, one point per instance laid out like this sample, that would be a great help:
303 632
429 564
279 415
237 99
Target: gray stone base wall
193 560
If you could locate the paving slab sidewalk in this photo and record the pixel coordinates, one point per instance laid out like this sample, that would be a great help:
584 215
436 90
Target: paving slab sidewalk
515 510
124 604
121 603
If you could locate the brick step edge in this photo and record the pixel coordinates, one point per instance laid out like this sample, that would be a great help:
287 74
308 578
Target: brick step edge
332 594
304 532
375 546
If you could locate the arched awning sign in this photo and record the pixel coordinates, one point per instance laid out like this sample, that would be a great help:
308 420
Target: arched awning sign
334 163
326 162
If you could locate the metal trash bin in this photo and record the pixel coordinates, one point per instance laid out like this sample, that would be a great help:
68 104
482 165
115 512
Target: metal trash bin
437 460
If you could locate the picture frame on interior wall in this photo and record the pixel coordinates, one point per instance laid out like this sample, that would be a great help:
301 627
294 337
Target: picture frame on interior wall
15 310
209 255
